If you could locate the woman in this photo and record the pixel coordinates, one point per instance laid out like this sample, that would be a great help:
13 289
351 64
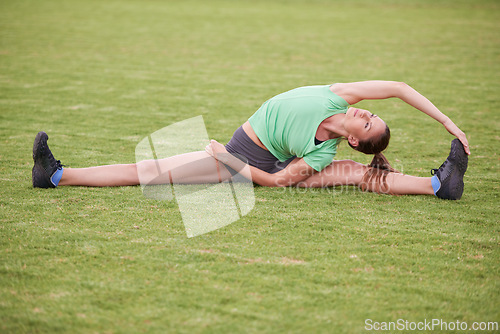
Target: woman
290 140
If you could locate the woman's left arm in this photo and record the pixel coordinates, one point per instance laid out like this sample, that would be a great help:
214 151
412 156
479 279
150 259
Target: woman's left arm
297 171
366 90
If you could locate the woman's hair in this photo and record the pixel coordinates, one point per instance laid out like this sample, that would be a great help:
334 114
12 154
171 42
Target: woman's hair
376 175
376 145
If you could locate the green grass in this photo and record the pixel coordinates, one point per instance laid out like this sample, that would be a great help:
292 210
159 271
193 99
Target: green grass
99 76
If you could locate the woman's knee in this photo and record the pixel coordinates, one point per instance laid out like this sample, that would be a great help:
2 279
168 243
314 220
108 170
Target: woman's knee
351 167
345 168
147 171
345 172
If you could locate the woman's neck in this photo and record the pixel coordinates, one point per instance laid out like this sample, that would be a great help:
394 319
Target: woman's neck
332 127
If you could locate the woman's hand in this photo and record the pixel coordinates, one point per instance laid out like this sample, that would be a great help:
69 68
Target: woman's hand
217 150
454 130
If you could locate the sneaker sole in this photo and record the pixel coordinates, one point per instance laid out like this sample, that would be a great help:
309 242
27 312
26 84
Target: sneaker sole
39 177
40 139
460 159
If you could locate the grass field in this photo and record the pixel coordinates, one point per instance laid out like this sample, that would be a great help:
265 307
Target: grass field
98 76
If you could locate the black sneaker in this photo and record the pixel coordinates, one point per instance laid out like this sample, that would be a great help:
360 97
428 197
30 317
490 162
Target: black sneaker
45 164
451 172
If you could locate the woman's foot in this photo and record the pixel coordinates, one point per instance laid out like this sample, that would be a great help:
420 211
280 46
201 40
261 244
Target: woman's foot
46 165
451 173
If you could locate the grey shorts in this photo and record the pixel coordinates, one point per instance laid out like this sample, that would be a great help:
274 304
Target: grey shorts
241 145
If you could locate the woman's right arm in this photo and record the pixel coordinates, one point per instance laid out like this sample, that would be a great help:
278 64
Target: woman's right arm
355 92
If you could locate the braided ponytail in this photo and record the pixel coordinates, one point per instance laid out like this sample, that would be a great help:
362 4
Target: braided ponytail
376 175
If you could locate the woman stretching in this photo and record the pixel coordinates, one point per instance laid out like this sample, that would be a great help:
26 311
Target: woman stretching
291 140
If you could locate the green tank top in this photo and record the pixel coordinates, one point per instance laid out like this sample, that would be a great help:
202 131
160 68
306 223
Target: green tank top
287 123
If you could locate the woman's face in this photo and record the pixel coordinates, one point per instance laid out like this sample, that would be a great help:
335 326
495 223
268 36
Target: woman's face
363 125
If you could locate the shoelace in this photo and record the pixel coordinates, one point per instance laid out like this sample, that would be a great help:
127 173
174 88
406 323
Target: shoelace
59 165
435 170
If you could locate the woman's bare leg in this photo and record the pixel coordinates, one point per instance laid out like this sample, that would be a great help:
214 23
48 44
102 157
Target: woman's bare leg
195 167
100 176
348 172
